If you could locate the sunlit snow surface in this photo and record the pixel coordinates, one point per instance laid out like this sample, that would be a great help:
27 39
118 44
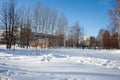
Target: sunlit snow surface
59 64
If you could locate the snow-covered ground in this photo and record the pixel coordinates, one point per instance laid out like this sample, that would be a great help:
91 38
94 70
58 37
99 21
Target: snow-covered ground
59 64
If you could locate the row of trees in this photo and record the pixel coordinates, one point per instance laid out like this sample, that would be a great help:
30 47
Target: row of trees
115 19
75 34
37 19
111 36
108 40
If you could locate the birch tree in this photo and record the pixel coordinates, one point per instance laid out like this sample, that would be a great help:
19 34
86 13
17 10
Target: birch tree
62 27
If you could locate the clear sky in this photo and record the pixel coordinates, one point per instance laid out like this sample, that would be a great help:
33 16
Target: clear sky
92 14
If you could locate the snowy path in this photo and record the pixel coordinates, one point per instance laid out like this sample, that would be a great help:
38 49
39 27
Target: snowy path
60 64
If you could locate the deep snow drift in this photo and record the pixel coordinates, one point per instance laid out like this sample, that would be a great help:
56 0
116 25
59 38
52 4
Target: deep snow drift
59 64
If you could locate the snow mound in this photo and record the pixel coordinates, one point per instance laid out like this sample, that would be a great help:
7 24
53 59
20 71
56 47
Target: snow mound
95 61
47 58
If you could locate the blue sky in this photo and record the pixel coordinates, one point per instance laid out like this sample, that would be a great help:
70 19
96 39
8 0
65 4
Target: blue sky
92 14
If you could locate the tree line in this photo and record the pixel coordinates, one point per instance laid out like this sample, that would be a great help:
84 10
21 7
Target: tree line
110 37
41 19
38 19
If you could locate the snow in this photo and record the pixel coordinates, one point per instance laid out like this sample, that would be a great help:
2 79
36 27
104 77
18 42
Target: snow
59 64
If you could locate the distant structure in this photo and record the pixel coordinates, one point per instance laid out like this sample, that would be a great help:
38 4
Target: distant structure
3 34
54 39
88 41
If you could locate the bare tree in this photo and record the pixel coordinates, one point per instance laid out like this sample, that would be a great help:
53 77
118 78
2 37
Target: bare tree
76 34
115 19
4 19
72 37
100 38
106 39
10 20
53 21
37 17
25 23
28 28
21 24
62 27
48 20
